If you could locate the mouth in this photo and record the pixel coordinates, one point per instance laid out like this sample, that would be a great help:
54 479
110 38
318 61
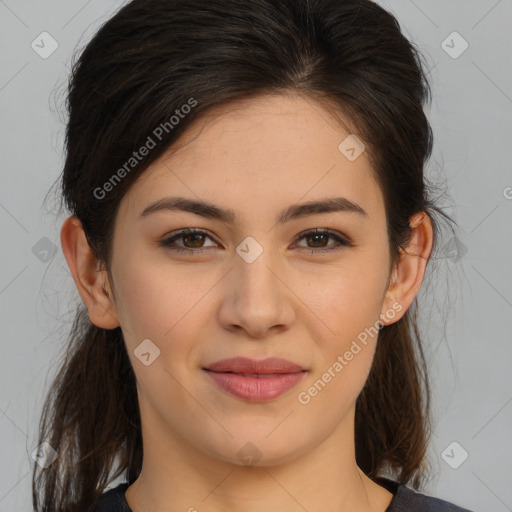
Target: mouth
255 381
249 367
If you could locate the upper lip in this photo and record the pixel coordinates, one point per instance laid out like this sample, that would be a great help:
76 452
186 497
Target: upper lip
253 366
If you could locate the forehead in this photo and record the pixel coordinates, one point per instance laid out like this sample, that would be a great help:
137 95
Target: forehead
259 153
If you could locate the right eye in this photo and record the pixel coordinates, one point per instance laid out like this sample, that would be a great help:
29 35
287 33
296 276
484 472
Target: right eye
194 238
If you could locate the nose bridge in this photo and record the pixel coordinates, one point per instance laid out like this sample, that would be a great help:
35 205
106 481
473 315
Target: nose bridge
256 298
255 281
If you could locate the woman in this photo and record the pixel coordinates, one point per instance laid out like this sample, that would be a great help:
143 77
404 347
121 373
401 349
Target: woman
250 226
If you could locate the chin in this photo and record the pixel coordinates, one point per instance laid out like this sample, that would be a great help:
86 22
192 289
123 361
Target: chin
259 452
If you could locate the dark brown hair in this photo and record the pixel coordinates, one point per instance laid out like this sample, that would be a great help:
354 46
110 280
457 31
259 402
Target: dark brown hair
142 65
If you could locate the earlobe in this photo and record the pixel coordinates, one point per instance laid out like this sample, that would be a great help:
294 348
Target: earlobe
408 274
91 282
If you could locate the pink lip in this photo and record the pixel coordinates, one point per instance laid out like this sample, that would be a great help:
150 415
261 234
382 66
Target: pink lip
228 374
256 389
246 365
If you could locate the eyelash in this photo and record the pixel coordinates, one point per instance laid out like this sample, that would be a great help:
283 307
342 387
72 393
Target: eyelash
341 241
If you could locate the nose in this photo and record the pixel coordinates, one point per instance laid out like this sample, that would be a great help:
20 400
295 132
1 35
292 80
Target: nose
257 299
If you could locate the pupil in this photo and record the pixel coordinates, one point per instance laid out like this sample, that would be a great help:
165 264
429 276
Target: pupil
187 237
316 237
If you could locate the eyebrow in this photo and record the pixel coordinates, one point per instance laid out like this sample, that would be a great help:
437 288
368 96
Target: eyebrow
211 211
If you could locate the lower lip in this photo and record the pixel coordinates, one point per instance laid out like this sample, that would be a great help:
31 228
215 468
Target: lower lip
256 389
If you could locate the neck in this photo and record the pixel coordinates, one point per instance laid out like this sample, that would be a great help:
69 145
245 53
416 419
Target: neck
176 476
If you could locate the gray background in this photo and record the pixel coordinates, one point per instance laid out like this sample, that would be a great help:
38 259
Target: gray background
467 300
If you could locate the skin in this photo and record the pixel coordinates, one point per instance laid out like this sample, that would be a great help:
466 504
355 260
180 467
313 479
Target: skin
255 157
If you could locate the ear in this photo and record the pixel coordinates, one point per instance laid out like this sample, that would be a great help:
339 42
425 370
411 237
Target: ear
92 283
408 274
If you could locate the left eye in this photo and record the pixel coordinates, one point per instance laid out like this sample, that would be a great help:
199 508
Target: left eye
318 235
193 240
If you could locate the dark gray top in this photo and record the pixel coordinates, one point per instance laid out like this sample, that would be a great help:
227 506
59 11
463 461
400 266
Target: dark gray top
404 500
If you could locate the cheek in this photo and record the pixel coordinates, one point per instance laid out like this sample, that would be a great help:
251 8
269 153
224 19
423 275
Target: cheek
346 347
346 302
161 302
345 299
165 310
144 308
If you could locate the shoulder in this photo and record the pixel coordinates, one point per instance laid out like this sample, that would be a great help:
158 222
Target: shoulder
113 500
408 500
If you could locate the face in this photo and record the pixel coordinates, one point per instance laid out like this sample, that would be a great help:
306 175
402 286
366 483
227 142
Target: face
254 283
